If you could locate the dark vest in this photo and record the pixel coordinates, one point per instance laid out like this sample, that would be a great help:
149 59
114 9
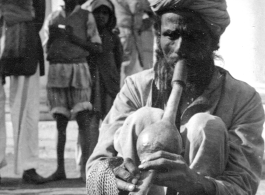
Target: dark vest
61 50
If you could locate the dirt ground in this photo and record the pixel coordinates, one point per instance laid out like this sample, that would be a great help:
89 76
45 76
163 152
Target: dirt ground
73 185
12 184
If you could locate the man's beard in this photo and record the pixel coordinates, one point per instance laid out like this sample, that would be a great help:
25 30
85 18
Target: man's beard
198 77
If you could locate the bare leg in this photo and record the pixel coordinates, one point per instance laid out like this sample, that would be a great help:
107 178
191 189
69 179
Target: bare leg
93 132
62 122
83 120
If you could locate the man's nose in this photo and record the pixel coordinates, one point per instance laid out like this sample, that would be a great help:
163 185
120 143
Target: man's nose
180 47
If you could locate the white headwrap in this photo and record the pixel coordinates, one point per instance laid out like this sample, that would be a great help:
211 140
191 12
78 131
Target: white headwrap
212 11
91 5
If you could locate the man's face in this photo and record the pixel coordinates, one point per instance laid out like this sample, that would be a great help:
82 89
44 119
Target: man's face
183 35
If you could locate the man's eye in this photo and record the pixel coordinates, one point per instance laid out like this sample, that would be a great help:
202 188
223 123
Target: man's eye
172 36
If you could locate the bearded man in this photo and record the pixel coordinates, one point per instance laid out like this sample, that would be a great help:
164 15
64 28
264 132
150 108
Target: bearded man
219 118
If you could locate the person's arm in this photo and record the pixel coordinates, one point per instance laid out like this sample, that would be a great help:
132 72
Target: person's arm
243 170
178 177
244 164
46 33
39 7
87 45
93 43
118 52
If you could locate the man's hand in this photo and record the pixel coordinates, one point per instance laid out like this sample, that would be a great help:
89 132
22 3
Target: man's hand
173 172
127 175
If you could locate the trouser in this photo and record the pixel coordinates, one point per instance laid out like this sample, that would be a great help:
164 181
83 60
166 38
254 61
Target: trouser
204 136
2 126
24 109
136 47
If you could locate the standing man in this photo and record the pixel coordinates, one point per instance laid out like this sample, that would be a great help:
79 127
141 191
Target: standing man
22 59
220 119
134 21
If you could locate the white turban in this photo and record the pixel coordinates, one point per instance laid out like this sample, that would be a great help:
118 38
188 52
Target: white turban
212 11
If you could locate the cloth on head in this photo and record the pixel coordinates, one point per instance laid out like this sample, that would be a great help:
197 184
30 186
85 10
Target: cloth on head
91 5
214 12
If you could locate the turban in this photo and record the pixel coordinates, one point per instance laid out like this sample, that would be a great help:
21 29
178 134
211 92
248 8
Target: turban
212 11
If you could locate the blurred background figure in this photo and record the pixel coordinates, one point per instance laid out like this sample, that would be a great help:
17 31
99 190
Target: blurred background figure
134 21
21 58
104 68
72 36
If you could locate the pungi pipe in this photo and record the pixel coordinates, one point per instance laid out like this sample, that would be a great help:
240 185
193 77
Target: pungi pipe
162 135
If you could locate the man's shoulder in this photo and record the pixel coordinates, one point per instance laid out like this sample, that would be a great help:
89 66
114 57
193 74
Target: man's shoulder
238 91
235 85
143 76
141 80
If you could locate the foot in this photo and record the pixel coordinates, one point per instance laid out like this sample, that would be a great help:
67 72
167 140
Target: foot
56 176
31 176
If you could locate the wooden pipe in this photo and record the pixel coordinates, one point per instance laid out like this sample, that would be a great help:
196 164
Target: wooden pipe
162 135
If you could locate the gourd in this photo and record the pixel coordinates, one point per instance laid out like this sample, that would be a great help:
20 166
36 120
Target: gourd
162 135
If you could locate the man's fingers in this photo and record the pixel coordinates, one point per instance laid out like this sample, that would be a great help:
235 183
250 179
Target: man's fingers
128 172
122 185
161 154
156 164
166 176
162 164
131 167
121 173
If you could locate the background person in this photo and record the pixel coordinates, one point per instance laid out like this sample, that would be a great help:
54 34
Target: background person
21 58
72 36
104 68
134 21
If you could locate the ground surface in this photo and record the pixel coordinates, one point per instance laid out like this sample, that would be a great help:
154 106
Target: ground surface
12 184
